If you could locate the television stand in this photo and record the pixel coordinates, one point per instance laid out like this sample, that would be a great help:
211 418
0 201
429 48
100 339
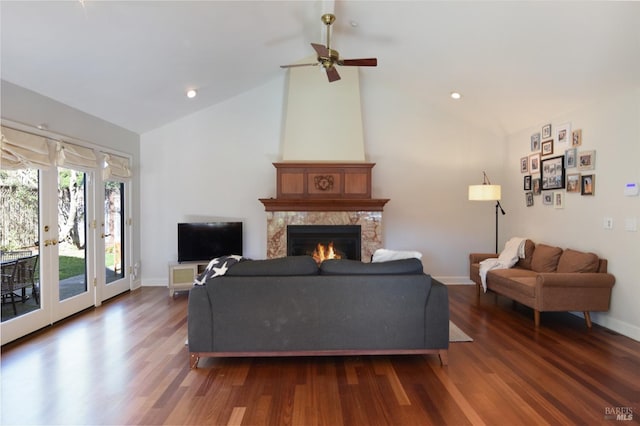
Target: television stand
182 275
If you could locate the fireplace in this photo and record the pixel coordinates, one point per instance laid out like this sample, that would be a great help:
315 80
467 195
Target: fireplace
324 194
343 241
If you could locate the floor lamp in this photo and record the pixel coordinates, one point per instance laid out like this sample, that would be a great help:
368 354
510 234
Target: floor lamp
487 192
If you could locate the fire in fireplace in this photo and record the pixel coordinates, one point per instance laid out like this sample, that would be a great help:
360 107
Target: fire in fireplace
324 241
322 253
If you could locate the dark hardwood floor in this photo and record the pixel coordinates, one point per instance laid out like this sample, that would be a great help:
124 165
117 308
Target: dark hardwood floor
126 363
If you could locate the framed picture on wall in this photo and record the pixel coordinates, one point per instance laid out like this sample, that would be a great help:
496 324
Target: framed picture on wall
577 138
546 131
547 198
570 158
552 173
563 135
527 183
535 183
588 184
586 160
534 163
558 199
573 182
524 164
529 199
547 147
535 142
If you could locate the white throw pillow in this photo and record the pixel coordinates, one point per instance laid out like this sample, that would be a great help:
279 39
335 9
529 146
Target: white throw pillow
384 255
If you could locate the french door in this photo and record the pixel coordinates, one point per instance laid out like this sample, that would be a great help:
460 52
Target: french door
68 240
74 223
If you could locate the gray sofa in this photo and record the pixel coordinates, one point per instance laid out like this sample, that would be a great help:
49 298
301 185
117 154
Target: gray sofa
289 307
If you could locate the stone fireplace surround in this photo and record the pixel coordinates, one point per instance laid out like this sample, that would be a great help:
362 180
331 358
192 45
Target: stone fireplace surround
322 193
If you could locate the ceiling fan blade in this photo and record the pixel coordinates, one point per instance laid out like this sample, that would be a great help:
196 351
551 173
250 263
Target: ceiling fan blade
365 62
320 49
298 65
332 74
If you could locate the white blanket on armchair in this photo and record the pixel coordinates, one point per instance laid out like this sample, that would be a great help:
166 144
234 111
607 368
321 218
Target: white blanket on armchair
513 250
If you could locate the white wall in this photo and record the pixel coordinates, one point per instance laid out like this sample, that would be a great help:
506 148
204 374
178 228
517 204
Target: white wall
211 165
425 160
323 122
611 127
217 163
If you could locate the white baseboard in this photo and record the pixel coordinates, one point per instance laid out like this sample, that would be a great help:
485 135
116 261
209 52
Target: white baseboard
455 280
629 330
155 282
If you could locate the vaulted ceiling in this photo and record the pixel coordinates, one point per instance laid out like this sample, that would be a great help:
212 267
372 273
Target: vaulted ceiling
130 62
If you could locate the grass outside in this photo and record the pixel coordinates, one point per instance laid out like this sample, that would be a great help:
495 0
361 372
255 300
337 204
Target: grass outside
70 266
71 263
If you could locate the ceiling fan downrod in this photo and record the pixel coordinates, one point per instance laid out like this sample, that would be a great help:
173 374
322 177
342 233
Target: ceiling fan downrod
331 55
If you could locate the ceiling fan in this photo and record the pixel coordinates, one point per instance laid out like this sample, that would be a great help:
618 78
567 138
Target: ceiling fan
329 58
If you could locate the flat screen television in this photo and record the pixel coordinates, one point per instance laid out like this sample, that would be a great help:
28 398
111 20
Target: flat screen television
205 241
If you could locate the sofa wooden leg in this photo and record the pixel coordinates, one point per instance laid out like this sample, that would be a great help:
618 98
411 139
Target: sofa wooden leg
193 360
587 318
444 357
536 317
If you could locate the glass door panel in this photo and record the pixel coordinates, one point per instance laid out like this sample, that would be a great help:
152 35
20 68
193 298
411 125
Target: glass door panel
113 231
19 236
72 225
115 279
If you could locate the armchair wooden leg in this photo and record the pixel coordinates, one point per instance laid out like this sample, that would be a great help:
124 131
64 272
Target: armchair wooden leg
193 360
536 317
587 318
444 357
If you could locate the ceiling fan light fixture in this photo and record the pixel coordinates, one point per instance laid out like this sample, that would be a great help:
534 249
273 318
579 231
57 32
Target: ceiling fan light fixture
191 93
329 58
455 95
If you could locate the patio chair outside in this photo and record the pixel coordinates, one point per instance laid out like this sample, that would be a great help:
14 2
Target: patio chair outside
18 275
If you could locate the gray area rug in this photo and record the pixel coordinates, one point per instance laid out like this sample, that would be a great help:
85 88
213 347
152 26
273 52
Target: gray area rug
457 335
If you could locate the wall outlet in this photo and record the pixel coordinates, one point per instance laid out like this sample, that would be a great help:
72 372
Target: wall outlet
608 223
631 224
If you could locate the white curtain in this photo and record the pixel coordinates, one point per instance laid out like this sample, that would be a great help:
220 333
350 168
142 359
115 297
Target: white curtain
75 156
26 150
22 150
116 166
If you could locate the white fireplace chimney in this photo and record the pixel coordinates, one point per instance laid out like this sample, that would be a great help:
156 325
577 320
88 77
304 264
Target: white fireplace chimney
323 121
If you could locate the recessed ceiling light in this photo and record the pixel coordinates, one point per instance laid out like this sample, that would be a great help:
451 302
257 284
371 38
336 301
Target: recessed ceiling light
191 93
354 24
456 95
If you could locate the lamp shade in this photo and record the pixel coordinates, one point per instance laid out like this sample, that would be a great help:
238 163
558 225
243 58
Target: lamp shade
484 192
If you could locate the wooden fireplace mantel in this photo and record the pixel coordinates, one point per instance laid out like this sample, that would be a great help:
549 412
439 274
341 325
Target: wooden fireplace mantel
323 186
327 204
